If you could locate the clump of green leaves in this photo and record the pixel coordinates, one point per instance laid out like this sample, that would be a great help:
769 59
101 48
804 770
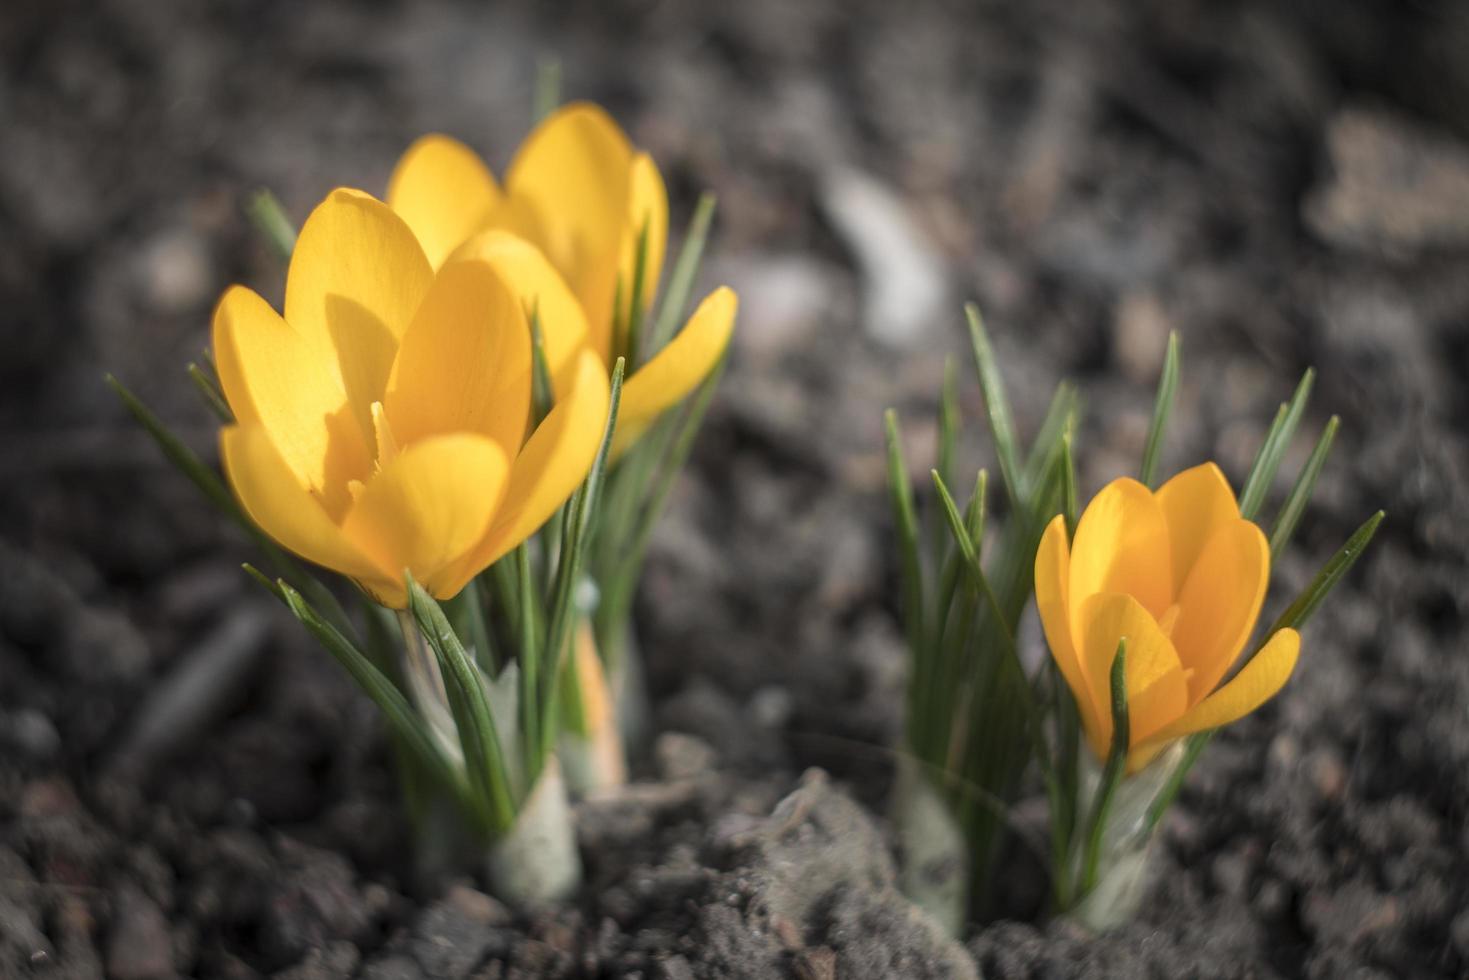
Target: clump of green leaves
971 717
977 721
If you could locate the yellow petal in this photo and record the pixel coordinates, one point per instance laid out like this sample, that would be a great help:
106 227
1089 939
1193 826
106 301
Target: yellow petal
1195 503
1052 566
445 193
540 288
677 369
275 381
573 173
465 363
1219 603
356 279
1156 691
283 507
553 463
427 508
1257 682
1121 545
647 207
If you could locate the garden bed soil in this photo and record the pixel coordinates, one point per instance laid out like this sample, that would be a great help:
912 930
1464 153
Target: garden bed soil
189 787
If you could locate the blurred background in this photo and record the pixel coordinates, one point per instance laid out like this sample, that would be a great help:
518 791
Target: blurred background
187 786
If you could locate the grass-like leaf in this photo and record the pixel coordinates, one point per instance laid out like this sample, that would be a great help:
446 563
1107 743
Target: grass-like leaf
401 717
467 617
1112 772
1192 749
1063 411
270 219
1068 484
968 548
997 406
1299 611
543 393
948 434
546 96
484 760
636 306
1162 410
209 390
900 492
562 614
1272 450
530 638
1300 494
201 474
625 577
685 270
1067 774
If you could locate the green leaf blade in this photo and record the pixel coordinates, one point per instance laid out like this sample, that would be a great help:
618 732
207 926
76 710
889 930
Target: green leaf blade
265 212
399 714
1300 494
1162 412
484 760
685 270
997 406
900 492
1335 569
1272 449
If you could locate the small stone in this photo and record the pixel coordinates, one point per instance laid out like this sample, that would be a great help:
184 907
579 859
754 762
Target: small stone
176 270
905 292
139 946
1395 186
32 734
681 756
772 706
334 962
783 300
454 933
1284 753
476 906
313 902
1230 874
1140 337
1459 933
47 799
1272 900
675 968
393 967
1327 774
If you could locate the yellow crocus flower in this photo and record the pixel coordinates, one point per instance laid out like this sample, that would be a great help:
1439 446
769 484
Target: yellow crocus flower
381 422
1181 576
579 192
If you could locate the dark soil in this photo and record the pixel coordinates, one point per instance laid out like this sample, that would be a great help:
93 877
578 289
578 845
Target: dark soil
188 786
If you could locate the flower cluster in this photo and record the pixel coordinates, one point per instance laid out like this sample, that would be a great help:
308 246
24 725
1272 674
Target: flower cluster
467 398
582 220
1149 600
1179 576
464 386
382 423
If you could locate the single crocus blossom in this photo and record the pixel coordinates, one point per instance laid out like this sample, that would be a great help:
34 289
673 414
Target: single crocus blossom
1181 576
381 423
584 198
